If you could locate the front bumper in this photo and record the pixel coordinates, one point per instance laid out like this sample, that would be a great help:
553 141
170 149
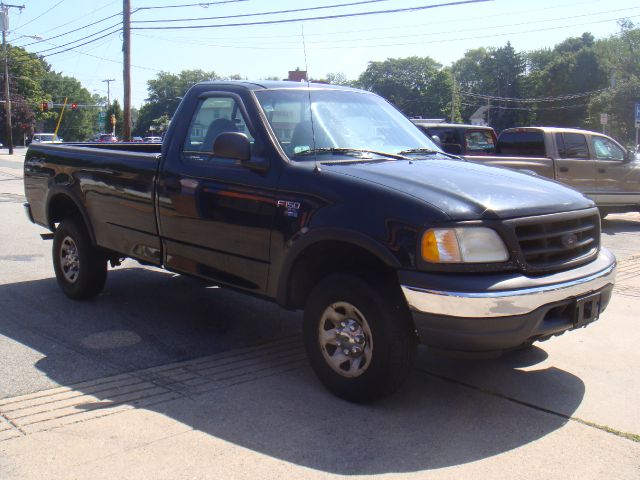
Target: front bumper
496 312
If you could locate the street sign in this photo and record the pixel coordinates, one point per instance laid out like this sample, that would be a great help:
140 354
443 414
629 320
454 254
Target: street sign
637 115
102 115
604 118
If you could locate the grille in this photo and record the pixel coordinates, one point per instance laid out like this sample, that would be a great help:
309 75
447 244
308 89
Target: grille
553 242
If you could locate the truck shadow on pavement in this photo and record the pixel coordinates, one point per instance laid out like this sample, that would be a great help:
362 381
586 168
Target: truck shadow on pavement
450 412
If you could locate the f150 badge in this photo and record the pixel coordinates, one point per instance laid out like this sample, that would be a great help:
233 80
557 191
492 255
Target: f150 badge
291 208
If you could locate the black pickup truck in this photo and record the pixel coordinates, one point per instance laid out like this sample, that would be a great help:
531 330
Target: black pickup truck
328 199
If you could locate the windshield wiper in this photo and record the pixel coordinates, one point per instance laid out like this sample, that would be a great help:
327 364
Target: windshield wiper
427 151
351 151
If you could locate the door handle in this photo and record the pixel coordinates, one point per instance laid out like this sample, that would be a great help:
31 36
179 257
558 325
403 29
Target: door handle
602 170
172 185
564 169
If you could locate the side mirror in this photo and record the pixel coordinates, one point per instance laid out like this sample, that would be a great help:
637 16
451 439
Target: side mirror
453 148
233 145
629 155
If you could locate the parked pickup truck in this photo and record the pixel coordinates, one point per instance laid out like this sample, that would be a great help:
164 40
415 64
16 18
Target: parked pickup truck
328 199
590 162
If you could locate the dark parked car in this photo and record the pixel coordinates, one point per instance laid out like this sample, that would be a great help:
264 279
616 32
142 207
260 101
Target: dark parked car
460 139
107 137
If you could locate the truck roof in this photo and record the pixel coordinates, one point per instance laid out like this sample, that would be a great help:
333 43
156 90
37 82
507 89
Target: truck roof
549 130
275 84
426 123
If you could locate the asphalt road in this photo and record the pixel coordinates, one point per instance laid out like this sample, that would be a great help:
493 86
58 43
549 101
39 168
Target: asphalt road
162 376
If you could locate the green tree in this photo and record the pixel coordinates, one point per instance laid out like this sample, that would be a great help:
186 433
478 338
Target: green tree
165 93
620 55
78 125
25 70
416 85
571 67
492 72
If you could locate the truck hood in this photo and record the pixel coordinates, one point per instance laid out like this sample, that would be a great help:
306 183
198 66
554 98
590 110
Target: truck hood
468 191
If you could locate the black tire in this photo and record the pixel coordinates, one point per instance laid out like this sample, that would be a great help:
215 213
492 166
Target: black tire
81 269
390 336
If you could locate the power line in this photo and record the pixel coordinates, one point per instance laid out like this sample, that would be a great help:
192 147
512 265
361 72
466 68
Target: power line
479 37
205 5
36 18
41 52
569 96
79 18
501 107
405 26
351 40
77 29
324 17
323 7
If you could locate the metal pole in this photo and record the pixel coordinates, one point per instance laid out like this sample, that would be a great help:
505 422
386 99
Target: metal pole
55 134
7 104
126 48
109 80
453 97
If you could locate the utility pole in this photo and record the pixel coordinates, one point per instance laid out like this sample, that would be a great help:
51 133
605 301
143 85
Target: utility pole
126 50
4 14
453 98
109 80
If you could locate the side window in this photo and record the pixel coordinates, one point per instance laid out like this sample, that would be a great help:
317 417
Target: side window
575 146
479 141
518 143
214 115
606 150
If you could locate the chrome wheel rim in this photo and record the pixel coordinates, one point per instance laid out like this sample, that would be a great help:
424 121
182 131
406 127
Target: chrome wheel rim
69 260
345 339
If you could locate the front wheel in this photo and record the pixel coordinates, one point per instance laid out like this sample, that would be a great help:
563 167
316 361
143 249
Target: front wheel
359 337
81 269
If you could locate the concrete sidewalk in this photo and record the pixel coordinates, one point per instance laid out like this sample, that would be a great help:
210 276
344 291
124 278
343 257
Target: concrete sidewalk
283 425
566 409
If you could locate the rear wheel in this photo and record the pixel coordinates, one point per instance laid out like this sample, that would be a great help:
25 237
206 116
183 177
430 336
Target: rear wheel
359 337
81 269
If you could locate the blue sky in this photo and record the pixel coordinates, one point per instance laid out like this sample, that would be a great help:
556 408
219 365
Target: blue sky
343 45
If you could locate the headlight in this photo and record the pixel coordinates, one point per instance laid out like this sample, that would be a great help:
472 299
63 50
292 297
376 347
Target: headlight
463 245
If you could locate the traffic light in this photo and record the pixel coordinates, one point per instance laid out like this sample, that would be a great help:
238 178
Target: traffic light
44 106
74 106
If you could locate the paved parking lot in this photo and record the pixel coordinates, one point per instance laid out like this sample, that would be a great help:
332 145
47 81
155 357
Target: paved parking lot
164 377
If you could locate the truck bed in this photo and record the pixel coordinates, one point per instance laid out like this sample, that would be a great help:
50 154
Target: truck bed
543 166
113 183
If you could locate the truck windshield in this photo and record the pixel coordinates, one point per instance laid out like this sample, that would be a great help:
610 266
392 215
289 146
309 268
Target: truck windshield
337 123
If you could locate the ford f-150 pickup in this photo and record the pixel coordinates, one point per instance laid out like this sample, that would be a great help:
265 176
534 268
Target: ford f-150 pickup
328 199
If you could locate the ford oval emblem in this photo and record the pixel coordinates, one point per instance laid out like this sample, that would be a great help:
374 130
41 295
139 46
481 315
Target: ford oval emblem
569 240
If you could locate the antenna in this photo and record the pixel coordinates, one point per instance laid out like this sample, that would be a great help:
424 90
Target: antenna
313 130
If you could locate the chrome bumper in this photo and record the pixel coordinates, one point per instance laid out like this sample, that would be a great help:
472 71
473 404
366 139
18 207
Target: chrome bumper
531 293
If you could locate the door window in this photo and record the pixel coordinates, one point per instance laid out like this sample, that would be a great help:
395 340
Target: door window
215 115
479 141
521 143
606 150
572 145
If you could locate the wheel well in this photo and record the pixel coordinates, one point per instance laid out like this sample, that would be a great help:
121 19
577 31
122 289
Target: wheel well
324 258
61 207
